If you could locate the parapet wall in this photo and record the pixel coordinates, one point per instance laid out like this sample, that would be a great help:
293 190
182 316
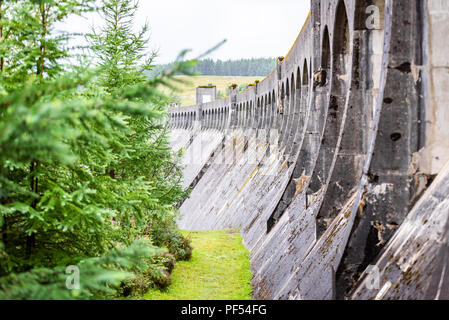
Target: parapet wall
321 162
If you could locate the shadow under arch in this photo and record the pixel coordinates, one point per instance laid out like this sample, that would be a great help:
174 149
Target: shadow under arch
304 161
268 122
319 100
288 110
272 123
281 114
294 121
266 112
341 77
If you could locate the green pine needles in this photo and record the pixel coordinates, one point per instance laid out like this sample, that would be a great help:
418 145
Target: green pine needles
87 176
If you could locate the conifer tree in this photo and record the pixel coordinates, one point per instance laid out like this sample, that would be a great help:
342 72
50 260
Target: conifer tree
59 137
124 57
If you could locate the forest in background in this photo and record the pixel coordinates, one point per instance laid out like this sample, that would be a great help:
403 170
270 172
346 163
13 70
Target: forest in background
89 185
242 67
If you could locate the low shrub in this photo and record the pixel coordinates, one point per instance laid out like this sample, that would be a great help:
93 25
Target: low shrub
167 260
178 245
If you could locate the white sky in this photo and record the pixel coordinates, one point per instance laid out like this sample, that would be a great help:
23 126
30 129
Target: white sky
253 28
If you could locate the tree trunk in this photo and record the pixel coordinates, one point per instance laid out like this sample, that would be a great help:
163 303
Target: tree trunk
34 186
2 61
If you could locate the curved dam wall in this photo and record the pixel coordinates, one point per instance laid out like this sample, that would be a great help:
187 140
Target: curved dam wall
333 166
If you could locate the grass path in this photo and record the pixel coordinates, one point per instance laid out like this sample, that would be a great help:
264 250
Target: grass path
218 270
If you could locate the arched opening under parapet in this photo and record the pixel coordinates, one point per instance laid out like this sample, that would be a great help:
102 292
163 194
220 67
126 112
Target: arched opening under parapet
244 131
263 111
242 115
238 114
291 141
204 119
294 102
256 114
211 117
339 89
281 112
310 145
322 77
287 111
269 122
305 74
226 118
286 106
308 153
269 110
191 120
247 113
217 118
267 113
301 94
326 50
250 121
274 113
304 162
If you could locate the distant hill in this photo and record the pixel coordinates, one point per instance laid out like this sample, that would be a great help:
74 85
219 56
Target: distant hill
255 67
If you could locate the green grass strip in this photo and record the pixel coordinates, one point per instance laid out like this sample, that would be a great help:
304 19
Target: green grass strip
219 270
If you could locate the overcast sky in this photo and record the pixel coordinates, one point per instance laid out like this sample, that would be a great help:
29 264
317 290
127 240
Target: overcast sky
253 28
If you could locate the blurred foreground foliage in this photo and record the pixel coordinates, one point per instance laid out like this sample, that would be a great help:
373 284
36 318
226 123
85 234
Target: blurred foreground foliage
87 176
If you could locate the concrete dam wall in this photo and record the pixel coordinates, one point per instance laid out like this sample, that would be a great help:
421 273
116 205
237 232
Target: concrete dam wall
334 166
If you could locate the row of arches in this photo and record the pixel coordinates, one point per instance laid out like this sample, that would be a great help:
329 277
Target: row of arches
182 120
215 118
329 146
264 112
315 120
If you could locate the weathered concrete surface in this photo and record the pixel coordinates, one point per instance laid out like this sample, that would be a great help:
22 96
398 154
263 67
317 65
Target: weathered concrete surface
437 74
202 145
321 162
415 264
